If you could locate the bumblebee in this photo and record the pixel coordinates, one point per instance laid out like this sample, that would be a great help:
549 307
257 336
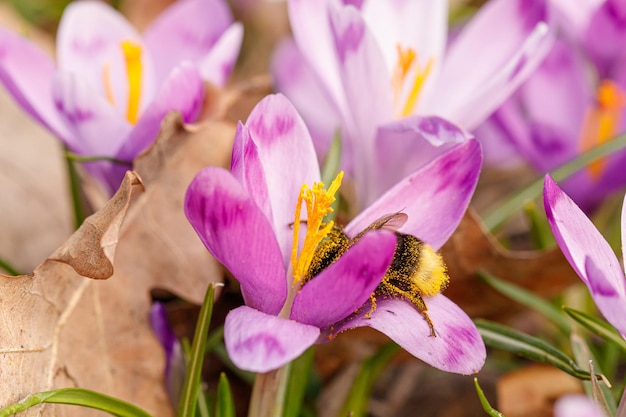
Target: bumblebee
416 269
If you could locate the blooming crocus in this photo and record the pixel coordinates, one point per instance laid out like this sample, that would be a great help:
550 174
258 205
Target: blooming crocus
573 405
368 68
263 221
588 253
174 373
576 100
110 87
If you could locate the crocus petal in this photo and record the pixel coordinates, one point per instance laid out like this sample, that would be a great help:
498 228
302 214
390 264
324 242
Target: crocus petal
434 197
345 285
457 347
186 30
26 72
407 144
309 94
286 152
588 253
182 91
418 24
217 65
174 361
238 235
260 342
574 16
467 91
89 43
574 405
311 30
605 36
98 128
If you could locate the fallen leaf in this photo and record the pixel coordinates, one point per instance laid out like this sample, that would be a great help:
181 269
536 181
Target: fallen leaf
62 330
471 249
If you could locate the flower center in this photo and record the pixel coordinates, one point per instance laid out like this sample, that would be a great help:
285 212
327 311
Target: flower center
134 67
602 121
408 68
318 203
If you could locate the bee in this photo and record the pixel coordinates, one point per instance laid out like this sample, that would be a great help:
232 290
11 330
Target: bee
416 270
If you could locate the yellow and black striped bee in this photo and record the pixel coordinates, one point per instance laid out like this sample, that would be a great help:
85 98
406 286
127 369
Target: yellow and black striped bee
416 270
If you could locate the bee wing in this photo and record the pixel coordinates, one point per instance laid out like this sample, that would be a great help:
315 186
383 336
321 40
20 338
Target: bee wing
391 222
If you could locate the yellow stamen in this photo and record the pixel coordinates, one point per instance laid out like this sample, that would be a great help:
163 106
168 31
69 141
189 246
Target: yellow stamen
132 56
602 121
106 80
406 57
318 204
418 82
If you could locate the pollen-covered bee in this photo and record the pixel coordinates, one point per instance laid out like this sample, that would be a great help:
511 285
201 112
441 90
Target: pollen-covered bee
416 270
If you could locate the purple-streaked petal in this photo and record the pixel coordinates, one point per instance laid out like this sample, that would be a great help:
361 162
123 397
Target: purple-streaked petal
588 253
605 36
417 24
574 16
577 405
311 30
295 78
238 235
246 167
260 342
26 72
182 91
405 145
186 30
434 197
98 128
457 347
217 65
469 91
347 284
89 43
174 363
286 152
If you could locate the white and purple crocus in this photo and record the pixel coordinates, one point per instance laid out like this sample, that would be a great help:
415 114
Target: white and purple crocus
110 86
576 100
588 253
368 68
250 217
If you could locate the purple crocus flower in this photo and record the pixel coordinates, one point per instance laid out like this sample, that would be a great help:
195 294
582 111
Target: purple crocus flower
589 253
368 68
249 219
174 374
577 405
110 87
576 100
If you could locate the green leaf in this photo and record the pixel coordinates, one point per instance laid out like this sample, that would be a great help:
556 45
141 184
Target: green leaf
77 396
224 403
502 337
82 159
540 230
356 402
9 268
299 377
528 299
189 395
597 326
333 160
503 211
78 204
485 403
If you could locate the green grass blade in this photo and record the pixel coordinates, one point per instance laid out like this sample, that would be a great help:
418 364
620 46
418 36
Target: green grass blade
597 326
503 211
333 160
224 403
505 338
189 395
298 382
485 403
356 402
528 299
80 397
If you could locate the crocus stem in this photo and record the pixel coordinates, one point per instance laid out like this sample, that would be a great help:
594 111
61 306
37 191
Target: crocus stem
268 393
75 191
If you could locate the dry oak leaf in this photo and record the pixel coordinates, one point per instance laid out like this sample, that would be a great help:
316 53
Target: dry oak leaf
62 330
471 250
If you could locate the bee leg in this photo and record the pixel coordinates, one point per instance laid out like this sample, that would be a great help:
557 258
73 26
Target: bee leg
420 305
368 315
